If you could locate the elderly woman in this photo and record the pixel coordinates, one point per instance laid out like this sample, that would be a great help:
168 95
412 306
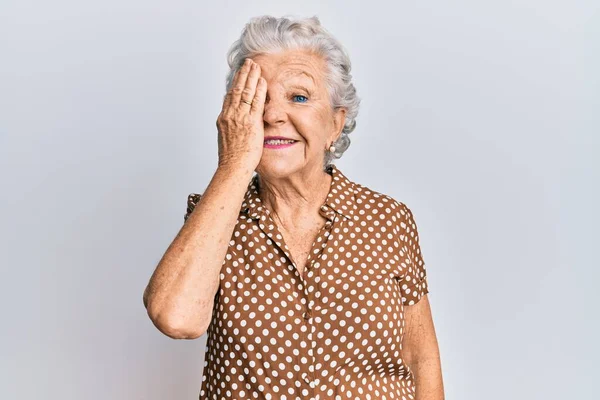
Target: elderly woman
308 285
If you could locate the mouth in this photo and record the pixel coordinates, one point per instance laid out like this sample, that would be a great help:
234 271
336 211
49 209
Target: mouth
278 143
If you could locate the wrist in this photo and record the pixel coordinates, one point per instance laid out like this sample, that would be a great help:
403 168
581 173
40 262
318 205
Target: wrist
235 168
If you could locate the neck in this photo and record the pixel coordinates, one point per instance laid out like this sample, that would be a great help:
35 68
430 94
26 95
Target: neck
294 196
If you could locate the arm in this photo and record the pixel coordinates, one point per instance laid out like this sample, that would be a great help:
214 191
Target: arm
421 352
180 295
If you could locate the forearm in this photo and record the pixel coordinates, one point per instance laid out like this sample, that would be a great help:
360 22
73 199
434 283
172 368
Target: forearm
180 294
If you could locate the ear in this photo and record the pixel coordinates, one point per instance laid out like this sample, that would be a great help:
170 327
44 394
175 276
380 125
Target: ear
339 118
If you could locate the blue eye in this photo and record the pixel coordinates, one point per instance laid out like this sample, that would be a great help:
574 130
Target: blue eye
299 95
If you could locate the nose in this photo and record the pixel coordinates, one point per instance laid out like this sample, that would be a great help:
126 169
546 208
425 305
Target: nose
275 113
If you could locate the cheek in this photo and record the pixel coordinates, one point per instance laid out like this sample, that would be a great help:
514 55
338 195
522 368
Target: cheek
313 124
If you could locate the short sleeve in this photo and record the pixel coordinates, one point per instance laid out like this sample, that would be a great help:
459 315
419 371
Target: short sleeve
414 284
192 200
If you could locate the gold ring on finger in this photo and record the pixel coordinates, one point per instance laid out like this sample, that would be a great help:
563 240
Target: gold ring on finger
247 102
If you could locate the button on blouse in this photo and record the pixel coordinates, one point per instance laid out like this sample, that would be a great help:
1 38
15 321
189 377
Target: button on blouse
333 332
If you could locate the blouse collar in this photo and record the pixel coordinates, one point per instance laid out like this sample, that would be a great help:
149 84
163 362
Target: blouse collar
340 198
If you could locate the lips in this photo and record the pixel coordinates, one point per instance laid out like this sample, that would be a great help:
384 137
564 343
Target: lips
271 143
278 138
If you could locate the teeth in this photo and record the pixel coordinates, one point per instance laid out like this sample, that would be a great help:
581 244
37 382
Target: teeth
278 141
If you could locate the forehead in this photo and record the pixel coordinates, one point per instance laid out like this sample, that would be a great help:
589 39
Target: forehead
294 65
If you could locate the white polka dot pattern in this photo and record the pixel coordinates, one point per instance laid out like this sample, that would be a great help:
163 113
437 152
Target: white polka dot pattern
334 333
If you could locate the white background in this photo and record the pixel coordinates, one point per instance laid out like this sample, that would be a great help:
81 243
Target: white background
481 116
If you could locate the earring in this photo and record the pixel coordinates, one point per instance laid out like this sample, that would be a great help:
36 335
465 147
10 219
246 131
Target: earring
332 149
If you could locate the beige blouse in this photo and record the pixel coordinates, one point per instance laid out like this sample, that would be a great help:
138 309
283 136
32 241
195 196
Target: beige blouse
334 333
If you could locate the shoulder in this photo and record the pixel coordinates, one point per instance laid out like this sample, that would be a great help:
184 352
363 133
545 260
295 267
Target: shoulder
371 201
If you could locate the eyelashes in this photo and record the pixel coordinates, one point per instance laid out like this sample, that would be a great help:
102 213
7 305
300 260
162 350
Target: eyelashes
300 95
293 97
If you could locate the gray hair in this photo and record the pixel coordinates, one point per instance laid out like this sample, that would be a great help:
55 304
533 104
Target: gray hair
266 34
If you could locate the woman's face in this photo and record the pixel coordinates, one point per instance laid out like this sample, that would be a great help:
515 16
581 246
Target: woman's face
296 107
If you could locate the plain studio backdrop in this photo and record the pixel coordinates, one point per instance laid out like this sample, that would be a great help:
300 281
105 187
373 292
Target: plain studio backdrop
481 116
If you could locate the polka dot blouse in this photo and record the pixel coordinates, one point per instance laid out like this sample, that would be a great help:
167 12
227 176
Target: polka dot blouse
334 333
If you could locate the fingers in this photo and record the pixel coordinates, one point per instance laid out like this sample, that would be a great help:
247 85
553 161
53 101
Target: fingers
250 88
229 95
258 105
247 89
238 86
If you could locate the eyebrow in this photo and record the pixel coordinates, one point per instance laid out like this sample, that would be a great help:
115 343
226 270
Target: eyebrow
299 72
307 74
297 86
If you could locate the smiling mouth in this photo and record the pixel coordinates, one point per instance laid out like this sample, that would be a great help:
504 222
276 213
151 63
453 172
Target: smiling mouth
279 143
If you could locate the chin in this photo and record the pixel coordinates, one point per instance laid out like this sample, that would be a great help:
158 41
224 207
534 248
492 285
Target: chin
277 168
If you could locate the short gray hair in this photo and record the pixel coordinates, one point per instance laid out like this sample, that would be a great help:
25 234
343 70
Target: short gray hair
266 34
